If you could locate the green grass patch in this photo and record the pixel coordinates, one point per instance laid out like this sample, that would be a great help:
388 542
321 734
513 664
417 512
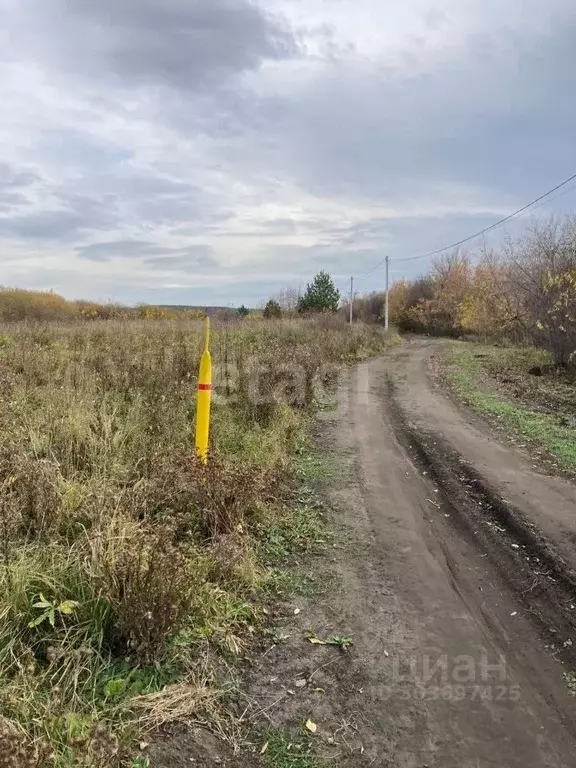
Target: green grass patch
570 678
286 583
466 371
285 751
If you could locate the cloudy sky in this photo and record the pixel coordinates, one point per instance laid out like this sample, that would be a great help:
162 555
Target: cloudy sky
214 151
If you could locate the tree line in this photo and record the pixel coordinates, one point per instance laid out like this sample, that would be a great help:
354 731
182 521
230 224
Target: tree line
525 292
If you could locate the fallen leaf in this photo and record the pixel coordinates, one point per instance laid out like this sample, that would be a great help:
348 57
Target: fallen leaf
316 641
300 683
265 748
296 611
311 726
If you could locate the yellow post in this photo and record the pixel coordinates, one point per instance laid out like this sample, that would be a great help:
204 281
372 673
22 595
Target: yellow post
204 398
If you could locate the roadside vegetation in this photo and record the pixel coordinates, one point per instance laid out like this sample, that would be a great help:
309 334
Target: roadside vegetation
131 576
533 409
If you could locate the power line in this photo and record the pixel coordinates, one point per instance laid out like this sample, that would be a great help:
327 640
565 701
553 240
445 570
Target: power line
477 234
492 226
373 269
556 197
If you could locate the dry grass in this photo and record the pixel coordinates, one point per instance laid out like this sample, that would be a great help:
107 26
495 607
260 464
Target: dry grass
180 702
122 559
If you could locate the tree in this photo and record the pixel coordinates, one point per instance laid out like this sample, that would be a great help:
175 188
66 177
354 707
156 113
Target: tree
321 295
242 311
288 299
272 309
433 302
541 268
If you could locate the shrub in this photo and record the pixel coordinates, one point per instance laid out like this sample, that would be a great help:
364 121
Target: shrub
29 497
212 499
145 577
272 309
15 752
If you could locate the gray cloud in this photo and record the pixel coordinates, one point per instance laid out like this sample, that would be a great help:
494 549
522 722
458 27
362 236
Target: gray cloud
497 119
192 259
76 216
14 188
144 197
123 248
10 200
130 125
14 178
183 259
45 225
187 44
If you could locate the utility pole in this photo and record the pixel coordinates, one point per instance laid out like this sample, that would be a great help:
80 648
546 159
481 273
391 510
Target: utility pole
351 299
386 299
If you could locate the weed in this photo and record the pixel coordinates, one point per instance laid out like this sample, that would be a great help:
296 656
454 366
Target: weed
28 494
124 563
51 608
341 641
148 582
285 530
277 637
282 751
282 582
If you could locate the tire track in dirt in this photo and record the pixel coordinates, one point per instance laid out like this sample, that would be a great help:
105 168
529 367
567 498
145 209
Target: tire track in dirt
458 652
456 663
454 600
542 581
426 587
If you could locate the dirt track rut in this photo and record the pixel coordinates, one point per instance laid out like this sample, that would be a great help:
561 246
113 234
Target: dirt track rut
452 572
467 635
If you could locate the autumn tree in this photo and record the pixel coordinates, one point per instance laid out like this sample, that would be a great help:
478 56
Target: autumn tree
541 269
489 308
433 302
526 293
287 299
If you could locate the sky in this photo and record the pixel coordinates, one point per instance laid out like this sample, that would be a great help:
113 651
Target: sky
213 152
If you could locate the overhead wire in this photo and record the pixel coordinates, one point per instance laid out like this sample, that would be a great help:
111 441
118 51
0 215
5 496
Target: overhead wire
519 212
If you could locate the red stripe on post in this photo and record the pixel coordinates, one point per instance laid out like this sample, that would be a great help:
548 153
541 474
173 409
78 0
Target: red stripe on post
204 387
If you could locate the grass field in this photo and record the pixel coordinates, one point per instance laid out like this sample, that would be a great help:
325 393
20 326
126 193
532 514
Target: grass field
131 576
538 410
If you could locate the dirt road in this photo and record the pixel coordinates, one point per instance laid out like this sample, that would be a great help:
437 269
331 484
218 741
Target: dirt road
452 572
455 580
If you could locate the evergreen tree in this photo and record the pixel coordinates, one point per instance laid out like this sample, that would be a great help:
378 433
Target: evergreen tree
321 295
272 309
